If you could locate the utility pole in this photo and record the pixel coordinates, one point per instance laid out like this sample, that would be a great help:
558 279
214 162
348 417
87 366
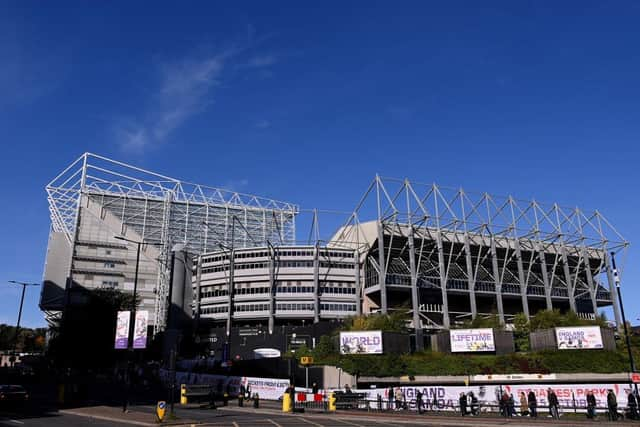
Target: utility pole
24 288
616 279
132 321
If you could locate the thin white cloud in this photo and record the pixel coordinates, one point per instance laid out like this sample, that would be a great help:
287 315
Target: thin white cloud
262 61
185 90
235 184
263 124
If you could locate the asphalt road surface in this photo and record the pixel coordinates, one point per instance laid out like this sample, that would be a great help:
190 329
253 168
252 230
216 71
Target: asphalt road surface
235 417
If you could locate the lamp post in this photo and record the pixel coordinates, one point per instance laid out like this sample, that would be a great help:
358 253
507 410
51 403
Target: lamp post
616 279
24 288
132 320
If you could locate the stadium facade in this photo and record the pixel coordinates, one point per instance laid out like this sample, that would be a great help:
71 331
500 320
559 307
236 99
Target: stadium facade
442 255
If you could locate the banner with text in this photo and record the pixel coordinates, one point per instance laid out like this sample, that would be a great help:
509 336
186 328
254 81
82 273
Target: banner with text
122 330
587 337
140 329
361 342
471 340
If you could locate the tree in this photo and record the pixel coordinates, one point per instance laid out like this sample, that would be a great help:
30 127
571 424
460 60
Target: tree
521 331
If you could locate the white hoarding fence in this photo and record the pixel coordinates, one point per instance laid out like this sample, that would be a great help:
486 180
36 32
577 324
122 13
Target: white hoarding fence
471 340
361 342
579 337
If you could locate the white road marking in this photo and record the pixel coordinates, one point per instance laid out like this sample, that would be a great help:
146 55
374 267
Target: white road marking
311 422
273 422
349 422
235 424
16 421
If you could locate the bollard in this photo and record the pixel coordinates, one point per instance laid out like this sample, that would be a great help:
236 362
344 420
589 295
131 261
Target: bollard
332 402
183 394
286 403
225 399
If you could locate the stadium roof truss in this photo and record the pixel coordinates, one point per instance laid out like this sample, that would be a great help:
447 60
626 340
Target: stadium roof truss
165 211
489 234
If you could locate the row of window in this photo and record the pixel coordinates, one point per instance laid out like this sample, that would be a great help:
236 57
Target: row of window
214 293
294 307
215 309
332 290
243 255
110 283
251 307
278 264
338 307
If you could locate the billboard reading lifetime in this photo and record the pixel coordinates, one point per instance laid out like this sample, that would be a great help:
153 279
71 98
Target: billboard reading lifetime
471 340
587 337
361 342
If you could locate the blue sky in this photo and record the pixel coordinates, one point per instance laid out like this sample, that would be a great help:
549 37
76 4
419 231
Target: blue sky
306 103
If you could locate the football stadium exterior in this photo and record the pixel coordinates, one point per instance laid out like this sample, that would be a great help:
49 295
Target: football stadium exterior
443 255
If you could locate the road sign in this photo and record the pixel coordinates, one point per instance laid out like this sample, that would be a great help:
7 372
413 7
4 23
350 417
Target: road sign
160 409
306 360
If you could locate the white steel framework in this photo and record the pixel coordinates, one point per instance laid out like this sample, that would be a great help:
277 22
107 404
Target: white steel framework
454 242
165 211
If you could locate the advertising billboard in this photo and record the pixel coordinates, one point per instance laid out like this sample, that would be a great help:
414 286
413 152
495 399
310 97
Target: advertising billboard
472 340
579 337
122 330
361 342
140 329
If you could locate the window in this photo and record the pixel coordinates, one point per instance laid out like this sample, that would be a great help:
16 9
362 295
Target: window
109 265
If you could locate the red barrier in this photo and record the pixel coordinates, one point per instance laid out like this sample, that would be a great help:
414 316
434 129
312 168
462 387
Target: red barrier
302 397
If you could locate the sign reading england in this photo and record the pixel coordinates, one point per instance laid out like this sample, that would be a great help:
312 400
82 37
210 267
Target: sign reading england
361 342
471 340
587 337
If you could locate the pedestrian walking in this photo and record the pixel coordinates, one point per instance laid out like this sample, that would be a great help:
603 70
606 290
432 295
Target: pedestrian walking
419 401
533 404
391 397
463 404
511 406
552 398
399 398
632 405
524 405
473 400
314 388
612 405
591 405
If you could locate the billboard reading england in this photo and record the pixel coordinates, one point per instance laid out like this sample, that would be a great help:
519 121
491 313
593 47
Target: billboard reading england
471 340
587 337
361 342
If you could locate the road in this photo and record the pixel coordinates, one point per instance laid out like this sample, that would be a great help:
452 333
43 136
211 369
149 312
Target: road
248 417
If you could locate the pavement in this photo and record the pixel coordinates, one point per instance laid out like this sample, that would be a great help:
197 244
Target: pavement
269 415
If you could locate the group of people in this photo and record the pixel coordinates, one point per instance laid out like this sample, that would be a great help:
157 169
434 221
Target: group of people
528 404
470 401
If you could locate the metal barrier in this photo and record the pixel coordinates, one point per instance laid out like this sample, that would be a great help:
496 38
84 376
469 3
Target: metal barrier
358 402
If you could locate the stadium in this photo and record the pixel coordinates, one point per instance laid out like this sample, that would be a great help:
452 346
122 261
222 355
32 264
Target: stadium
443 255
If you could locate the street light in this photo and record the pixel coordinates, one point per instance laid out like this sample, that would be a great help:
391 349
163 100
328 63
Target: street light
132 318
616 279
24 288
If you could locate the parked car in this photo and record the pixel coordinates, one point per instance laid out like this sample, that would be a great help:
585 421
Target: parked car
13 394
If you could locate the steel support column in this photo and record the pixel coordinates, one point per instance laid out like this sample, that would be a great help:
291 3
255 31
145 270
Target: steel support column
545 276
272 288
593 289
567 278
612 290
356 261
316 283
471 277
415 302
446 321
498 281
382 270
197 295
522 280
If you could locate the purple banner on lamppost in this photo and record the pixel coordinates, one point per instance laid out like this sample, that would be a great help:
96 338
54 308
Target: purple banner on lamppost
122 330
140 329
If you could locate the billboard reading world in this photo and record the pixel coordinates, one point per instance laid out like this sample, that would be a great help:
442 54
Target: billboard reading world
471 340
586 337
361 342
